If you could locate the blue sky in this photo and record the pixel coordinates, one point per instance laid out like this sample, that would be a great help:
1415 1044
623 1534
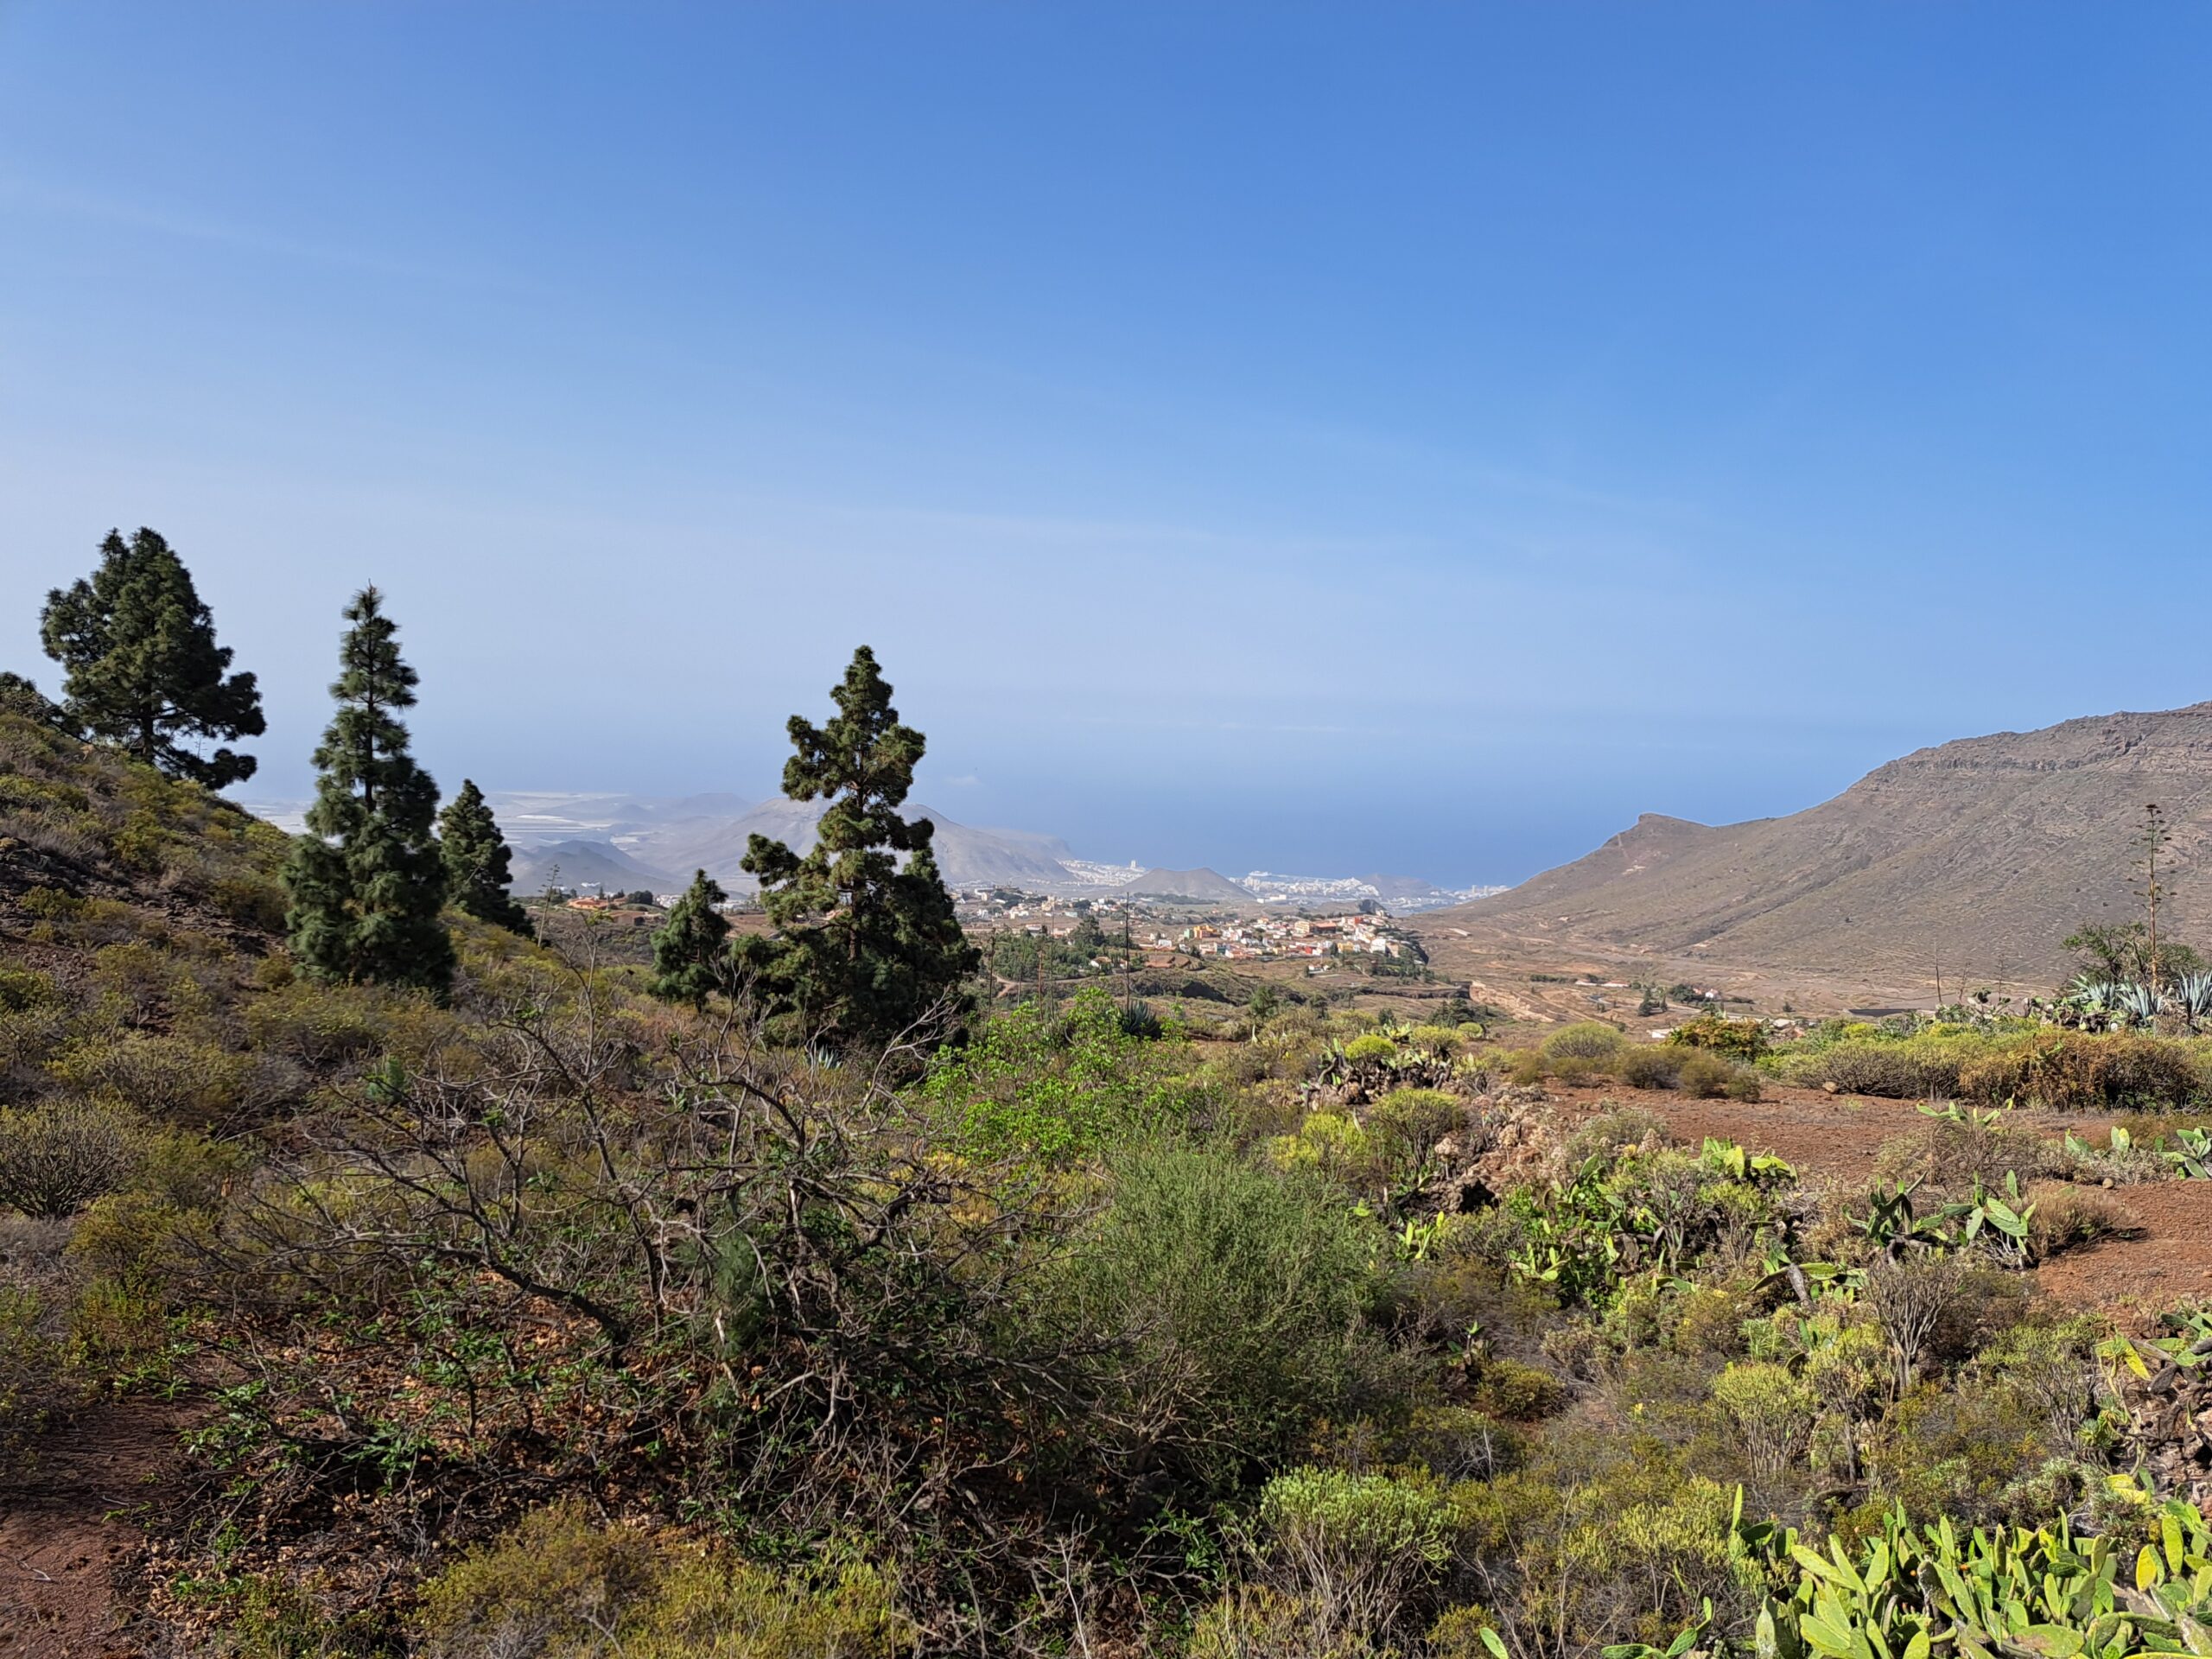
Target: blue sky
1414 438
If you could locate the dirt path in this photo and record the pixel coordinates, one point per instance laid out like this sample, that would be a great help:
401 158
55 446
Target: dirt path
2168 1259
66 1531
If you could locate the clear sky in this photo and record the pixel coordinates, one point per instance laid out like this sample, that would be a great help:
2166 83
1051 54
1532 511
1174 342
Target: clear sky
1313 437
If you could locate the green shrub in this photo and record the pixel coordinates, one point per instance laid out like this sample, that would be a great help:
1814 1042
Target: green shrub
1334 1144
561 1587
1352 1551
1404 1127
1509 1390
32 1369
1373 1045
319 1024
1434 1040
26 987
718 1607
127 1237
281 1615
1745 1039
255 901
1228 1301
1628 1550
1059 1089
1769 1411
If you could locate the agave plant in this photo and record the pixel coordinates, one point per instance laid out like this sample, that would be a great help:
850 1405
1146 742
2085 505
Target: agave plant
2140 1005
2090 1003
2192 999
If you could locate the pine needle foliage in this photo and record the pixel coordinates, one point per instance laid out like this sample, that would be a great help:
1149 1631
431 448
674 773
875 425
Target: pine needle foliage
691 950
477 861
367 880
143 669
865 950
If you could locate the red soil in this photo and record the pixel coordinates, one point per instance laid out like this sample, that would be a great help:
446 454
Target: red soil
67 1536
1838 1137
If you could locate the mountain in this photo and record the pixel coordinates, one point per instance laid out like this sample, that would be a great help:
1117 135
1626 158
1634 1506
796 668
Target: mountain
598 862
1976 857
1202 886
968 857
534 816
1402 894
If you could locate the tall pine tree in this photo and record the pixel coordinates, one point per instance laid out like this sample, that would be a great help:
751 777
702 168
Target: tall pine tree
477 861
865 949
366 881
142 669
691 950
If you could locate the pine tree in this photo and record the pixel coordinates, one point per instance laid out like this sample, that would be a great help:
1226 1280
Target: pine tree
691 950
863 950
142 669
476 861
366 881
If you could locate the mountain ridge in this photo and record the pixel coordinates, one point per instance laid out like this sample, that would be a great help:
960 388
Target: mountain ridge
1978 856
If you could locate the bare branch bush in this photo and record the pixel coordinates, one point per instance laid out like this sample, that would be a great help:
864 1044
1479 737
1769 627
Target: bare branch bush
567 1249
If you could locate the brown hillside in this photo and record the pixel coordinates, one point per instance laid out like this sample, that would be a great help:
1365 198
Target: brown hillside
1199 886
1975 857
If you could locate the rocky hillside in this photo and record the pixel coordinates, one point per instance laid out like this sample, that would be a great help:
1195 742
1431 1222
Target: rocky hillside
1976 857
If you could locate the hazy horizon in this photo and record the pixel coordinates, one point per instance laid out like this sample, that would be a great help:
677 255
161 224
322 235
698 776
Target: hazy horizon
1419 440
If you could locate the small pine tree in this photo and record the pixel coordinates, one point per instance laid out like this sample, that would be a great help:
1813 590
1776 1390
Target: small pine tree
142 669
863 949
476 861
366 881
691 948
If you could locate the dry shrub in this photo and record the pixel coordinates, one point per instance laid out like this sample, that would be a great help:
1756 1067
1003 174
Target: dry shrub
1589 1041
1910 1300
2068 1217
1889 1070
1947 1154
57 1159
1528 1070
1705 1076
1649 1066
164 1077
1610 1133
2078 1071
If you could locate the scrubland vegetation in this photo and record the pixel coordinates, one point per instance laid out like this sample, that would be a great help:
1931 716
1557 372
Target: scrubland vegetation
555 1318
560 1305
